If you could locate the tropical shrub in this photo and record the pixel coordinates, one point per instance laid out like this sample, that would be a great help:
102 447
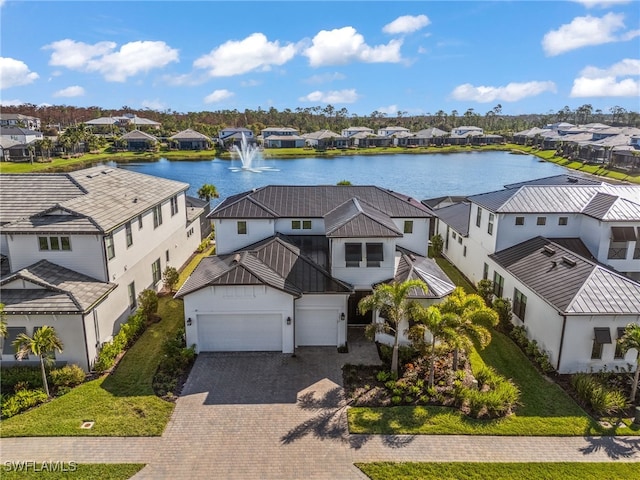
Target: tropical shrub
593 392
68 376
485 290
531 349
495 395
129 332
170 278
176 360
503 307
437 244
148 303
20 376
21 401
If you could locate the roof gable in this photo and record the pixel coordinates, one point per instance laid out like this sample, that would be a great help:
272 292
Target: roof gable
355 219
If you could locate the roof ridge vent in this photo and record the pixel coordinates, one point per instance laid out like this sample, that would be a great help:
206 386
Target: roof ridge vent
236 258
569 261
549 249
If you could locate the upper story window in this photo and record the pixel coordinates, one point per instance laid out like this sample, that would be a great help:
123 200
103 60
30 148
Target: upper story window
111 250
54 243
353 254
541 221
519 303
157 216
374 254
490 226
454 235
242 227
174 205
460 239
519 220
498 284
306 224
478 217
295 224
408 226
129 233
563 220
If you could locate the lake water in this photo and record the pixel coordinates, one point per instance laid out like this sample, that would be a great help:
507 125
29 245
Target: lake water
419 176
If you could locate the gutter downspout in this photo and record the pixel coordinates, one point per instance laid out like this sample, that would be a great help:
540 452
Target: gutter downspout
564 326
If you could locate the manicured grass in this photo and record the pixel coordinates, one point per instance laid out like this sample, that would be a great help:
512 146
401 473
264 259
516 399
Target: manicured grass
120 404
454 274
103 471
499 471
193 263
546 409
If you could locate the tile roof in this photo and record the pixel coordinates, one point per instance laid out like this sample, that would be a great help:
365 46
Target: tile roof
320 134
570 283
54 289
105 197
138 135
356 219
189 134
456 216
275 261
316 201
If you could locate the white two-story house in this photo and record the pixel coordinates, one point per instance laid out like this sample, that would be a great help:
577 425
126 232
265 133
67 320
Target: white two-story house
293 262
565 250
77 249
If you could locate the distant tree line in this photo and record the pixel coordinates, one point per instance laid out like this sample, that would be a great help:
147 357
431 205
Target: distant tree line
310 119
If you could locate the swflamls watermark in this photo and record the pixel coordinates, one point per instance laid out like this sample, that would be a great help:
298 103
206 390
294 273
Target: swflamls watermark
46 466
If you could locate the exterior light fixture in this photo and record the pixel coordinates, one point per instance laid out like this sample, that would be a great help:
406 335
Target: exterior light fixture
288 320
189 321
342 316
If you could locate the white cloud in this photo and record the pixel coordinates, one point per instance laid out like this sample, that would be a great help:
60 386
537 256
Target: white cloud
509 93
156 104
11 103
601 3
325 78
2 2
585 31
332 96
406 24
14 73
346 45
218 96
604 82
390 110
250 83
115 65
73 91
237 57
187 79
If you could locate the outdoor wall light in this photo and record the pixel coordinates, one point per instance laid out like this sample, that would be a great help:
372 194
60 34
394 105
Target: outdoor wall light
342 316
189 322
288 320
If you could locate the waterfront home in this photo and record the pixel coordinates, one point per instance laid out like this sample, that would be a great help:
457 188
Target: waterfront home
325 139
230 136
19 120
293 262
282 137
77 248
123 121
137 140
563 249
190 140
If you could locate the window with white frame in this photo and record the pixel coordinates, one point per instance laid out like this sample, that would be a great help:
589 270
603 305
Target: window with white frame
111 249
490 226
157 216
174 205
54 243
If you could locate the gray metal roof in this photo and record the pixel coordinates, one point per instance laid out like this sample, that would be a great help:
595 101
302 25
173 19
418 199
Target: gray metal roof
356 219
415 267
54 289
275 262
320 134
107 197
189 134
567 281
52 224
456 216
316 201
562 179
138 135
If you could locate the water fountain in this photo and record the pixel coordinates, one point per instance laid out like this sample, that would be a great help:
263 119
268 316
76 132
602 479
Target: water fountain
248 152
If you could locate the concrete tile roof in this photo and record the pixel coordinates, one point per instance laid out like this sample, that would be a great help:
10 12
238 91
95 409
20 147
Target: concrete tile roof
570 283
138 135
53 289
189 134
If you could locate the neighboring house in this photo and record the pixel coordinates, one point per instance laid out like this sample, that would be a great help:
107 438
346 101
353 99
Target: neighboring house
592 226
423 138
137 140
233 136
198 209
282 137
325 139
351 131
293 262
79 247
21 135
13 151
19 120
190 140
390 131
125 120
463 130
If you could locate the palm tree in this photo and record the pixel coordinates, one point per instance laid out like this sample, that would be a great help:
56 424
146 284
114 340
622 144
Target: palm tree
631 339
440 325
3 322
470 316
207 192
43 342
392 302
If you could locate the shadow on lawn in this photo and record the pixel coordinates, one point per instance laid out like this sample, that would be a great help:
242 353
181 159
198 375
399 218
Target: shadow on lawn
330 422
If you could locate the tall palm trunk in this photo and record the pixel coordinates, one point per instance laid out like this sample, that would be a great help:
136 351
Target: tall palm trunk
636 377
44 375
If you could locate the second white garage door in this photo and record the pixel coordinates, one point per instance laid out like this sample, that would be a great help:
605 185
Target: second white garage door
316 327
240 333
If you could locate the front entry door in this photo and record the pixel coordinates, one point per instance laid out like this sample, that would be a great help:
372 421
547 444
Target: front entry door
354 315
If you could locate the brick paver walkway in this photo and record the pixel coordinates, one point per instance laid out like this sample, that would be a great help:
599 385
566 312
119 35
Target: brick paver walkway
270 416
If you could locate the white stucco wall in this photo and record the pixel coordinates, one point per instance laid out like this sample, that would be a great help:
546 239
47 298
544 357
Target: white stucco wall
511 234
283 225
418 241
251 300
228 240
362 277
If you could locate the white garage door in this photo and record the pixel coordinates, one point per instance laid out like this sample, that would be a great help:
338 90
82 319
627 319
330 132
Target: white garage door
316 327
238 332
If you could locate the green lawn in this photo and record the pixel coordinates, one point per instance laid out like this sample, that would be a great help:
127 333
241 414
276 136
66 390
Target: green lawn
120 404
499 471
111 471
546 409
454 274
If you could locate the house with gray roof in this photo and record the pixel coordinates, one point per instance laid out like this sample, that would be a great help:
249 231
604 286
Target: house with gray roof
79 247
128 119
137 140
282 137
325 139
596 225
19 120
190 140
293 262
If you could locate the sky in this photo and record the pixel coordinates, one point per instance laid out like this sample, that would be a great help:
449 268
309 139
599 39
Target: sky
393 57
